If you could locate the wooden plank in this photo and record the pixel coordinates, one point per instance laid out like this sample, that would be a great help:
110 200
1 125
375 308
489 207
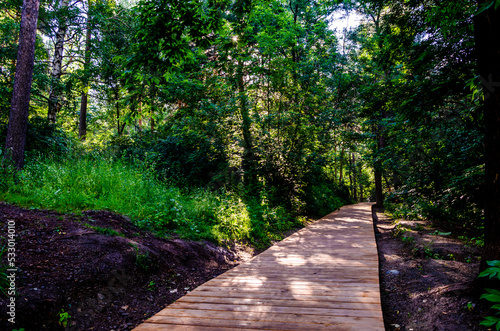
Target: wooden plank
280 284
261 316
264 308
171 327
249 291
347 323
373 278
322 277
284 303
291 297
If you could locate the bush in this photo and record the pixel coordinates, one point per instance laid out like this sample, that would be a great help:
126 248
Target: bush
324 198
185 159
42 138
98 182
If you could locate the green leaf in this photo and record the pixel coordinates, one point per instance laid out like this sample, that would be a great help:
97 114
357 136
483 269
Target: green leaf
494 263
490 320
487 6
492 296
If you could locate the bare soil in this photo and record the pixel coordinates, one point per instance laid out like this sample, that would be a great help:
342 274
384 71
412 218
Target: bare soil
103 281
109 275
426 277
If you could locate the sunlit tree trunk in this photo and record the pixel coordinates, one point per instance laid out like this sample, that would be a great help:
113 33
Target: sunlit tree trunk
140 112
487 36
55 89
18 119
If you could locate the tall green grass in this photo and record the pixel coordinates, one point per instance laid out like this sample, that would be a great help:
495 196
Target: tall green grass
82 183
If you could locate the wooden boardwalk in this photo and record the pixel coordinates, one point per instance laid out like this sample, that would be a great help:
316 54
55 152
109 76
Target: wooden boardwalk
323 277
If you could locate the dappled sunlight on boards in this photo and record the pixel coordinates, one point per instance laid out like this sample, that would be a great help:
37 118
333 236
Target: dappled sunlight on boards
324 276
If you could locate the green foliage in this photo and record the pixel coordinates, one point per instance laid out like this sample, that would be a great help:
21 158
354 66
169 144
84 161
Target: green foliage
185 159
143 261
42 138
492 295
64 318
98 182
104 231
324 198
4 282
8 174
493 271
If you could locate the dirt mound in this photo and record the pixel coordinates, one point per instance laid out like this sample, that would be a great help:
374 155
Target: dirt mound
99 268
426 277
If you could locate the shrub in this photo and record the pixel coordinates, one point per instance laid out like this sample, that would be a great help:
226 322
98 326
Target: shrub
42 138
186 159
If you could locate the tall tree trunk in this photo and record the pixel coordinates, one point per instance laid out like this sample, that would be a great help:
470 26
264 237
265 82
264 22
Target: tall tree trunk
152 120
250 177
55 89
361 198
354 174
487 37
82 128
18 119
118 118
140 112
379 195
335 161
341 167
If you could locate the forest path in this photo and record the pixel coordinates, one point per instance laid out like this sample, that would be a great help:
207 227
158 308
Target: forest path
323 277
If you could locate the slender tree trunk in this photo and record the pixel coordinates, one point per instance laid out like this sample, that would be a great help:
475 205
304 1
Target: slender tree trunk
354 174
118 117
379 195
341 165
361 198
487 36
335 161
82 129
18 119
152 120
140 112
248 154
351 187
55 89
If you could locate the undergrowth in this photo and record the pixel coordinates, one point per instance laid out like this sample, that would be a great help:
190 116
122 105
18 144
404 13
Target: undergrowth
102 183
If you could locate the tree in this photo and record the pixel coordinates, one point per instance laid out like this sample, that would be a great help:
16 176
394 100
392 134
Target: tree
82 127
487 27
18 119
57 62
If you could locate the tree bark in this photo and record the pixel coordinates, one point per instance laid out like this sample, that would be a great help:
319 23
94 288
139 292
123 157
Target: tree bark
18 118
487 37
341 167
379 195
55 89
248 163
82 128
354 173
